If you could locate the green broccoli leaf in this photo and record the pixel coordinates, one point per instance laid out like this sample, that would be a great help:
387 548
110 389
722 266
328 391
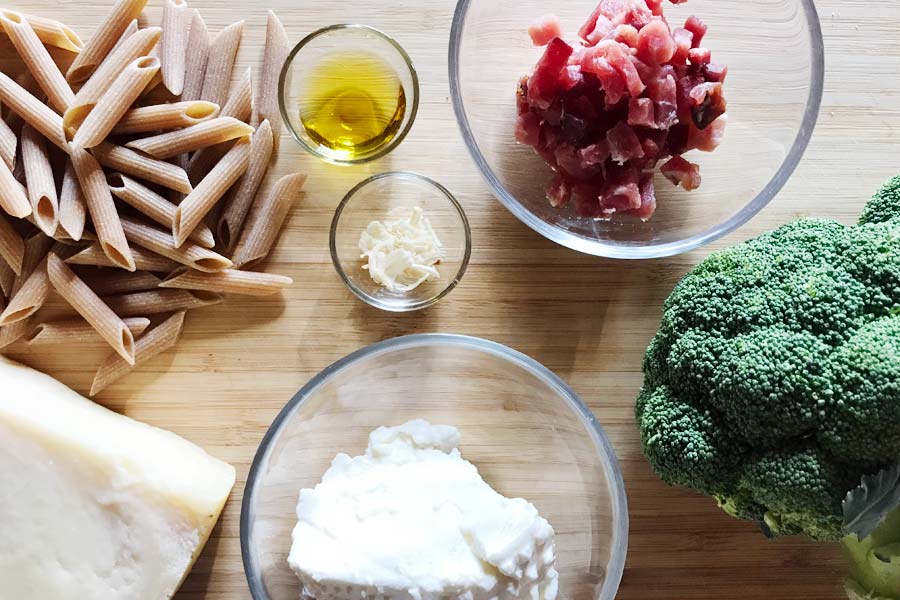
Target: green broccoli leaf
866 507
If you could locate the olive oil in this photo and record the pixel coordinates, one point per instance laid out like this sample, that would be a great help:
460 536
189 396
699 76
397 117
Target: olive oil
352 103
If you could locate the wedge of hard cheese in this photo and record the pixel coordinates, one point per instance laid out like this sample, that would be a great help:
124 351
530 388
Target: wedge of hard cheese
94 505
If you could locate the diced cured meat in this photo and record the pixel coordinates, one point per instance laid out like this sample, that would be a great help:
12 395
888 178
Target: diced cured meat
716 72
603 29
595 154
699 56
683 44
709 103
610 79
641 113
543 86
696 27
545 29
664 94
571 77
618 57
707 140
648 199
624 144
626 34
655 44
558 193
681 172
528 129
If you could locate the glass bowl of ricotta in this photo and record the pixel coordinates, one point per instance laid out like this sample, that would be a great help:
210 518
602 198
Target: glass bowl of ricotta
400 241
435 467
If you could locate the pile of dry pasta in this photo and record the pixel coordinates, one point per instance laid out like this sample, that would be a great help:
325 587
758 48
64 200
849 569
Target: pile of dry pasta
130 178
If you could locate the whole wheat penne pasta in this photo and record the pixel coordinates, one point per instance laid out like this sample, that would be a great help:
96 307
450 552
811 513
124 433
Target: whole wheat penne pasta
161 242
276 51
102 209
89 305
266 219
173 46
33 111
56 34
76 332
208 192
163 117
240 101
106 282
12 246
203 160
159 339
132 29
72 209
156 302
29 298
240 197
37 59
36 248
13 199
202 135
113 105
229 281
78 245
144 260
41 185
8 145
153 206
142 166
14 332
99 45
222 52
7 278
132 48
198 54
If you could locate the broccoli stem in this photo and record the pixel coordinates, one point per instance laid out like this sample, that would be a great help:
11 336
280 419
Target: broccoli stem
875 562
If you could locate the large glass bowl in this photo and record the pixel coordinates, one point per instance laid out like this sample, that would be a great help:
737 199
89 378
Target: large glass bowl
775 56
527 432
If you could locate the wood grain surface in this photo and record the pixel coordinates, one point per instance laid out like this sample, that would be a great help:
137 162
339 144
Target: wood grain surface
587 319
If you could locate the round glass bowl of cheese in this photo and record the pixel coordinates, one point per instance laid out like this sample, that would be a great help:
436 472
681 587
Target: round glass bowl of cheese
525 431
400 241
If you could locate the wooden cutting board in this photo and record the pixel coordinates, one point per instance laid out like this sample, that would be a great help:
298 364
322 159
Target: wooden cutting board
588 319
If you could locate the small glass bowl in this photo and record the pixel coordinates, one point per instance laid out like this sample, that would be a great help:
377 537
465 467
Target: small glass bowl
394 196
318 46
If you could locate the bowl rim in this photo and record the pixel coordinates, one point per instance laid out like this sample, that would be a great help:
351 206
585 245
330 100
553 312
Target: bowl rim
634 252
605 450
413 106
374 302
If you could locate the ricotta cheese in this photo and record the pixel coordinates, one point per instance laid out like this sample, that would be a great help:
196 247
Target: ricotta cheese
94 505
401 254
411 519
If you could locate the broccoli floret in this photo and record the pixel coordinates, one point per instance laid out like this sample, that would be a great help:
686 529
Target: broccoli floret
773 383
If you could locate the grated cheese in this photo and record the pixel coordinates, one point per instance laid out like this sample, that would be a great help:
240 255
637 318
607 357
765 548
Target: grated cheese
401 253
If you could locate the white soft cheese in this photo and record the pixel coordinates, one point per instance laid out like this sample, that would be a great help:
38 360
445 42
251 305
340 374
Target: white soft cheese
401 253
94 505
411 519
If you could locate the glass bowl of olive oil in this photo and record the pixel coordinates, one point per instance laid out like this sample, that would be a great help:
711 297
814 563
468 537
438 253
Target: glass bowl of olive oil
349 93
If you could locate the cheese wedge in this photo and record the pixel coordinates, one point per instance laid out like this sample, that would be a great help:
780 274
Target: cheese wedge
94 505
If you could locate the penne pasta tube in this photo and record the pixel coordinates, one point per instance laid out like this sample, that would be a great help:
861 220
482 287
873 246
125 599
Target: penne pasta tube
163 117
161 242
132 29
113 105
89 305
240 101
41 185
240 197
7 278
132 48
29 298
13 199
266 219
33 111
36 248
222 52
8 145
37 59
153 206
99 45
198 54
77 332
144 260
56 34
14 332
107 282
173 45
229 281
12 246
142 167
72 209
159 339
202 135
156 302
203 160
102 209
275 53
208 192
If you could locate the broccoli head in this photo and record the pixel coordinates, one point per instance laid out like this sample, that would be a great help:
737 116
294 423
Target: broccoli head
773 383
